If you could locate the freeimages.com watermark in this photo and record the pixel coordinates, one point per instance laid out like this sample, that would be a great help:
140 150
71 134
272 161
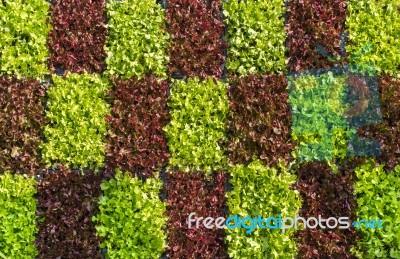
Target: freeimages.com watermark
283 223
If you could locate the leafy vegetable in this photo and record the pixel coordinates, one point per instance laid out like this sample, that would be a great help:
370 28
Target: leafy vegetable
17 216
313 34
330 195
24 29
136 41
132 217
66 202
187 193
259 124
259 190
196 29
375 23
77 40
136 141
76 110
318 122
378 196
256 36
21 122
387 133
196 133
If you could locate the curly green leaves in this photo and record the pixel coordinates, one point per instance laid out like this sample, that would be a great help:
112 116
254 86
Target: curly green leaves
17 216
318 122
23 42
132 217
378 196
260 190
196 133
375 24
76 110
136 41
256 36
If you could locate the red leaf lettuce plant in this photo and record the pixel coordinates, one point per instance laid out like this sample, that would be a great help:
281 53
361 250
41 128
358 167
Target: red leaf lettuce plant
187 193
388 132
259 121
196 30
77 40
330 195
21 122
313 25
66 202
136 142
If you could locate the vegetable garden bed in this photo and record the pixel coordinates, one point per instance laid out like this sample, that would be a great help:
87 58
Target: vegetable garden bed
119 118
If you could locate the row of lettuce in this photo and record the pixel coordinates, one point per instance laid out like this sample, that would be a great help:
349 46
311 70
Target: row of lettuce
206 125
255 46
95 37
140 125
73 214
93 122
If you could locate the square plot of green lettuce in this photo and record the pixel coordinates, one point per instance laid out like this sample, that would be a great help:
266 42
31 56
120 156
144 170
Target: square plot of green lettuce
76 111
24 28
196 133
256 36
265 191
137 40
318 107
17 216
377 195
132 218
375 23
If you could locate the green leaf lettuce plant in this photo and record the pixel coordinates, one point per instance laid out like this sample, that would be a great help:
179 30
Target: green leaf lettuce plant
260 190
318 122
132 217
17 216
256 36
137 41
196 133
374 23
23 43
76 110
378 196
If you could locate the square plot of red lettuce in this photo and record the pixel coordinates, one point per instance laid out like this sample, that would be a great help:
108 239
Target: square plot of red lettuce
136 142
21 121
313 23
259 123
66 202
191 192
363 98
387 133
196 28
329 195
76 42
